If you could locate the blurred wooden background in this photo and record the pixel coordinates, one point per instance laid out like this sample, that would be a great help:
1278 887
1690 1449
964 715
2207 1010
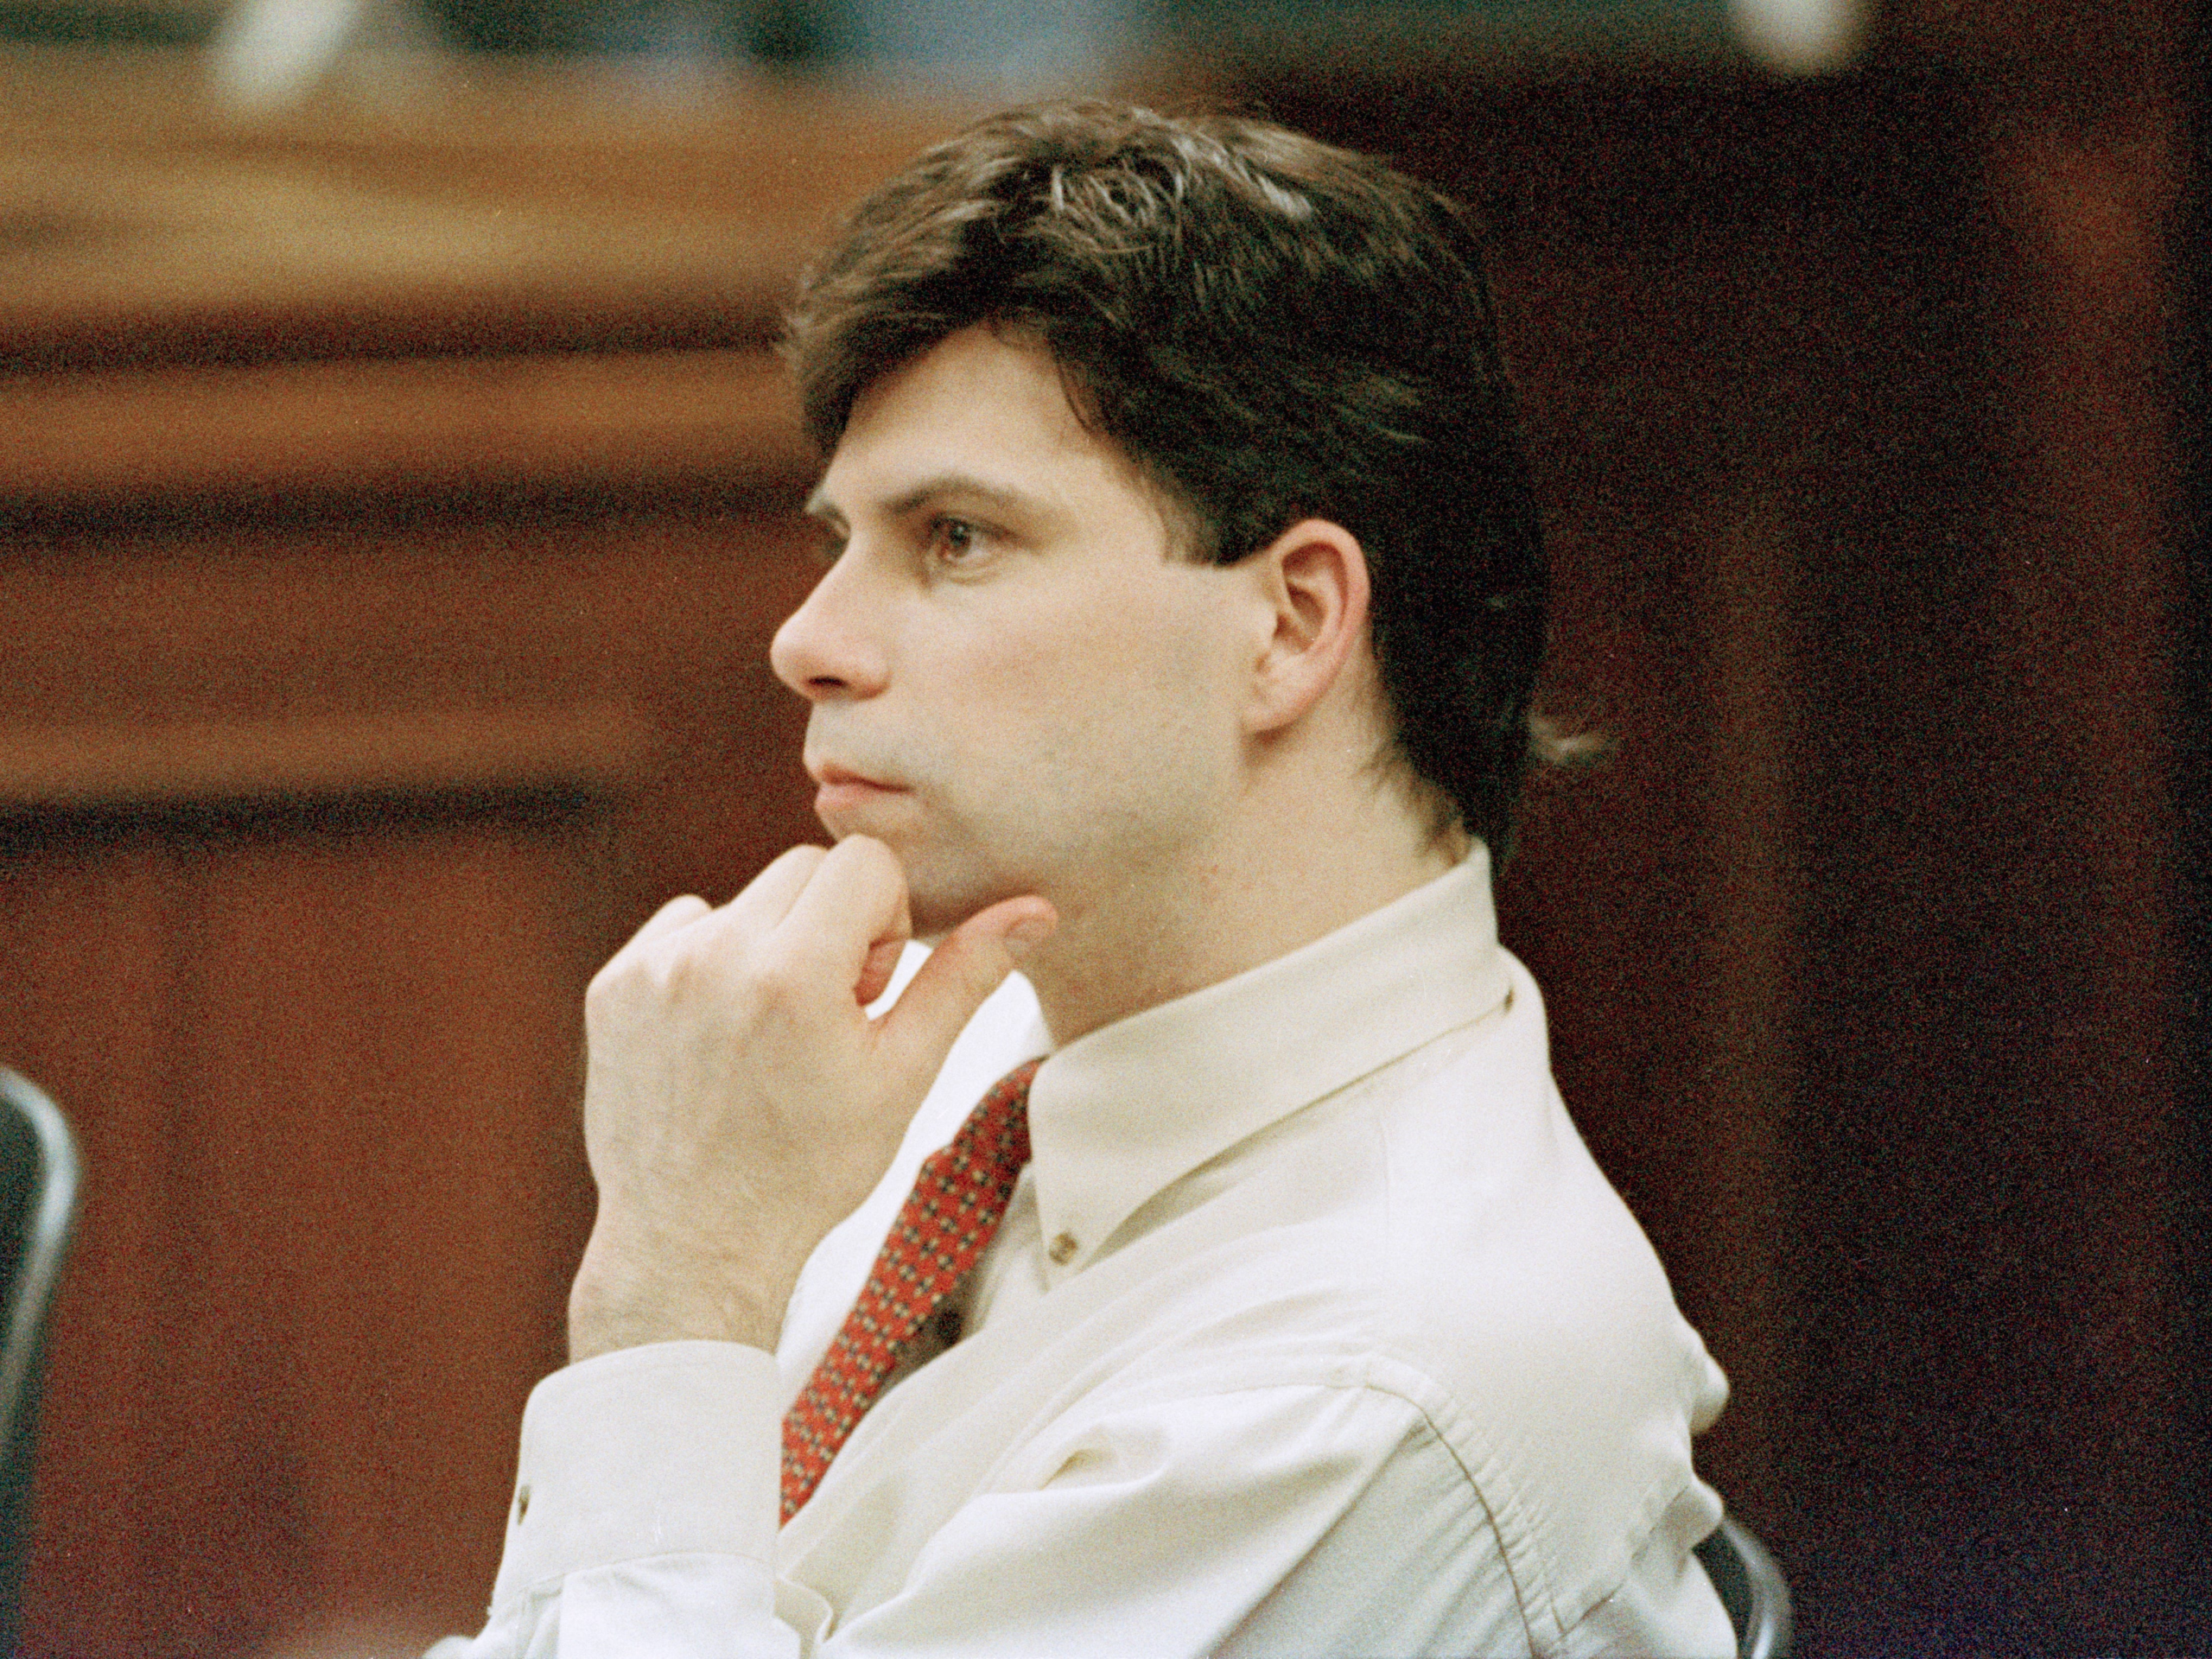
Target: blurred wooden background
396 501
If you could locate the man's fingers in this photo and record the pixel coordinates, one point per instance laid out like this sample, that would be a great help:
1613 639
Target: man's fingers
973 961
675 914
768 897
765 900
877 971
854 903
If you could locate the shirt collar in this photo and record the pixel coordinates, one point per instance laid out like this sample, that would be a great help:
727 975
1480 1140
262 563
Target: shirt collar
1123 1112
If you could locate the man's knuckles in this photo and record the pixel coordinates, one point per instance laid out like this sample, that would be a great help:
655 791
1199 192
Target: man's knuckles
780 984
711 973
804 859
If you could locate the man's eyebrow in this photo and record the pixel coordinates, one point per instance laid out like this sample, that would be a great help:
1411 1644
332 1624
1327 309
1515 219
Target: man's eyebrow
969 486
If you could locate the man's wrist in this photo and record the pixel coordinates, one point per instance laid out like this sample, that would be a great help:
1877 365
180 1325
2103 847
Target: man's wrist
610 1307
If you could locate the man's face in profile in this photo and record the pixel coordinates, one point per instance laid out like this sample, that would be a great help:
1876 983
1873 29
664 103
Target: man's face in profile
1017 685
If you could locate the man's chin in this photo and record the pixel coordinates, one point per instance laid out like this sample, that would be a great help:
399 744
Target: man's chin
940 895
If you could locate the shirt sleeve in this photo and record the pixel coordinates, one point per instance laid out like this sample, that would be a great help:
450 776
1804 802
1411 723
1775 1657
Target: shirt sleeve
1254 1523
644 1514
1248 1524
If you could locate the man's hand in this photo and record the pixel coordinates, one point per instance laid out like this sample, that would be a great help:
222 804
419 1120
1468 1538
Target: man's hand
738 1101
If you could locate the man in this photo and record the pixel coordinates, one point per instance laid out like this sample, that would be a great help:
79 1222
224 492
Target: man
1183 601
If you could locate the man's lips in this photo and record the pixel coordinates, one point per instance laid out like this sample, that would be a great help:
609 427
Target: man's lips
841 789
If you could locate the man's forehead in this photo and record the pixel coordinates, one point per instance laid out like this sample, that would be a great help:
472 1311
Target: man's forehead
948 485
980 415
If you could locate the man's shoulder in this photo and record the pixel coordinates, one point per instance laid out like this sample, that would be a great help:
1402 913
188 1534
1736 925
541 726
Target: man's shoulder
1498 1230
1440 1234
1442 1211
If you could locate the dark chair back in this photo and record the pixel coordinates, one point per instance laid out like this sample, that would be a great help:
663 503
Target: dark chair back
1753 1589
38 1207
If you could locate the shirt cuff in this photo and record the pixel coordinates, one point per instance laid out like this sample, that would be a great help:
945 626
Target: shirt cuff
672 1448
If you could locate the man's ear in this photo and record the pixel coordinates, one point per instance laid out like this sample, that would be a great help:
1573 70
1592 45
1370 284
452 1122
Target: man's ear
1313 577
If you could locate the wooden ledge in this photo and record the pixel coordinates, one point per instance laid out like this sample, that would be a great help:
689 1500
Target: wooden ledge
368 428
594 748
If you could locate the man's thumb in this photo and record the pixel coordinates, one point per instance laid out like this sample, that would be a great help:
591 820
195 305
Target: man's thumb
970 962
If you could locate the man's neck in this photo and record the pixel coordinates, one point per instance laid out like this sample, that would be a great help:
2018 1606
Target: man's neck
1237 906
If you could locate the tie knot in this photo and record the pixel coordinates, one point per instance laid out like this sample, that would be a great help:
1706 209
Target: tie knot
996 1134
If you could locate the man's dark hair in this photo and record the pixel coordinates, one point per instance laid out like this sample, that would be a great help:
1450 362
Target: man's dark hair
1272 329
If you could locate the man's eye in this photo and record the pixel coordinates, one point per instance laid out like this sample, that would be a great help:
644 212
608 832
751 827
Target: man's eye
954 541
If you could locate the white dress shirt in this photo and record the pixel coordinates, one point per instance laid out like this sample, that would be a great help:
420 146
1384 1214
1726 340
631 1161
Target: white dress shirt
1311 1329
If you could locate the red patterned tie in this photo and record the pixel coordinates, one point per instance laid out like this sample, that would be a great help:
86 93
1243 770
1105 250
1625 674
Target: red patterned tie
942 1228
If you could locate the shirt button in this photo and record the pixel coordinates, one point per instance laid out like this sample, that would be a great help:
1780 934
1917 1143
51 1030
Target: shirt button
522 1504
1062 1250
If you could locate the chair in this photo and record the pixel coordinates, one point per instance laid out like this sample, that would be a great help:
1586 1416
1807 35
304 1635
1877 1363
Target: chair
38 1207
1751 1588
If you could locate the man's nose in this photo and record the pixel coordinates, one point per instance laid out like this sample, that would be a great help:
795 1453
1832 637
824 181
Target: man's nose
832 645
